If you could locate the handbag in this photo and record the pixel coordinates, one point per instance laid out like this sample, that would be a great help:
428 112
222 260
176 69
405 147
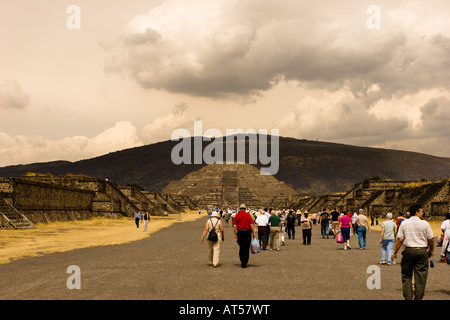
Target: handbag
255 246
339 238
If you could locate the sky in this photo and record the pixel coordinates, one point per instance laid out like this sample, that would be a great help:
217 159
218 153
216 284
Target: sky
79 78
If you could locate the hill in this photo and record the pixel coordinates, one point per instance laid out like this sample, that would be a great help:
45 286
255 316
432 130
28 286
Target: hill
306 166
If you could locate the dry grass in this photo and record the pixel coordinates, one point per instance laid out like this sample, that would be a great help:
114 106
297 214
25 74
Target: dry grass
66 236
435 226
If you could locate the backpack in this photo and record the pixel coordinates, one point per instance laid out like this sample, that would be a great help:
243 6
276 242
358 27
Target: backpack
213 234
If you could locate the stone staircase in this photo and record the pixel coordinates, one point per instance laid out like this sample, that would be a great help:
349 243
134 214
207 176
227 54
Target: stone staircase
15 219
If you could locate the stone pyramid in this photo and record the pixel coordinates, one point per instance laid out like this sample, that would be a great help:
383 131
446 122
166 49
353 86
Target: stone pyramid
224 185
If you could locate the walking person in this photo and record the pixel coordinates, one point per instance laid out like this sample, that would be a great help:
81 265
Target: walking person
214 247
262 224
354 222
387 239
137 218
323 221
345 227
290 224
399 220
314 218
275 229
227 216
282 226
445 228
306 228
243 231
145 219
362 226
334 222
417 236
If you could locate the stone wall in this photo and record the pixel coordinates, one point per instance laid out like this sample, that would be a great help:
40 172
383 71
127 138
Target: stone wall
379 197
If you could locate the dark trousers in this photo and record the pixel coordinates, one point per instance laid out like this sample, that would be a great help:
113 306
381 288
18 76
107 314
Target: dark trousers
262 235
137 222
306 236
244 241
290 228
414 260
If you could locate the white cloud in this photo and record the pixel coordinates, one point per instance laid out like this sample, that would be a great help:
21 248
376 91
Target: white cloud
231 48
24 149
12 96
161 128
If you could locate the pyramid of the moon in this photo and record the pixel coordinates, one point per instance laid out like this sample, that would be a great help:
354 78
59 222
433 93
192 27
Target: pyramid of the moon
229 185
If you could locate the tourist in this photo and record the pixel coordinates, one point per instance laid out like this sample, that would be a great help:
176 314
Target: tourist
214 247
262 224
445 227
334 222
243 231
306 228
137 218
417 236
299 216
282 226
275 228
226 217
323 221
145 219
362 226
387 239
354 222
314 218
345 227
267 214
290 224
399 220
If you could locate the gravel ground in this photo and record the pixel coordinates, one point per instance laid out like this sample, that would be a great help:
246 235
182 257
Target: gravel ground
172 264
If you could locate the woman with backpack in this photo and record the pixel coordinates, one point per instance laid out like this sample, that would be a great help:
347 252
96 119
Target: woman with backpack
215 232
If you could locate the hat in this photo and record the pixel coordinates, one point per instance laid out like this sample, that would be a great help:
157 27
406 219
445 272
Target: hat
214 214
242 206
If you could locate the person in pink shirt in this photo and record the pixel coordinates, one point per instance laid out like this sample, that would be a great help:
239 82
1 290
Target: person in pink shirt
345 226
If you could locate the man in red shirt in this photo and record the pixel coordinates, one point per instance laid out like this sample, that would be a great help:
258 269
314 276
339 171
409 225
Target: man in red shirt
243 231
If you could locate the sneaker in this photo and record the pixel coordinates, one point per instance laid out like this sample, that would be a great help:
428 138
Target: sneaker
382 262
388 263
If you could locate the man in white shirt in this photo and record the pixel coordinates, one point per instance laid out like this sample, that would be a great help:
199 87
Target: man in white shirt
417 236
262 224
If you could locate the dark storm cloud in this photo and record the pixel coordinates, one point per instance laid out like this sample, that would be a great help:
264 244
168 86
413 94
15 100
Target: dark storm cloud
245 48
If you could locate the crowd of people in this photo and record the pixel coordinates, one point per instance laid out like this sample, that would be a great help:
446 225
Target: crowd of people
410 231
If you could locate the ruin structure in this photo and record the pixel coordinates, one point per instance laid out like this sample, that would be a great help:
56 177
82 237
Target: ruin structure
228 185
378 197
44 198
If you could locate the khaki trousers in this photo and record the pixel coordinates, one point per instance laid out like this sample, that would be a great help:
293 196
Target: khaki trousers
214 251
274 238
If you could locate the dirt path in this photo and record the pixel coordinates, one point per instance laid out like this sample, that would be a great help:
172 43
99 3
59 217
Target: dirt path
173 264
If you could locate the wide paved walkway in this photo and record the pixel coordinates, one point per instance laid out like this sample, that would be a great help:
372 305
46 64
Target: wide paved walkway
172 264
